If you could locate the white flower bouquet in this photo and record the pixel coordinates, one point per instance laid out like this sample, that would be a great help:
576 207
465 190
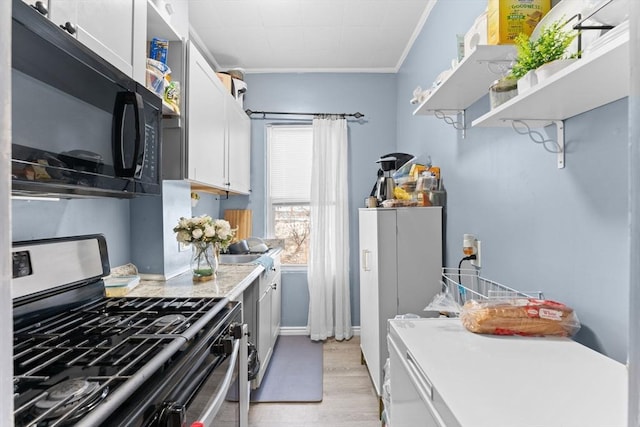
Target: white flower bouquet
204 229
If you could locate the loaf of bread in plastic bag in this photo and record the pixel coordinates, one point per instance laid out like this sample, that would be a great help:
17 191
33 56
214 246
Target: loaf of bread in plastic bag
519 316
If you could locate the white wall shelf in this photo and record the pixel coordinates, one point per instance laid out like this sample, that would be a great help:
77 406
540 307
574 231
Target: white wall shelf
468 81
168 110
160 25
157 26
594 80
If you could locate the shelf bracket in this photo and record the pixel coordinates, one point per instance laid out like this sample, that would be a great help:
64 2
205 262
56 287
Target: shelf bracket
521 127
458 124
560 141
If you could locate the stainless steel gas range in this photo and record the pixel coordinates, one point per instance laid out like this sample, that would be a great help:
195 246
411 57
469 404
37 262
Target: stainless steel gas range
83 359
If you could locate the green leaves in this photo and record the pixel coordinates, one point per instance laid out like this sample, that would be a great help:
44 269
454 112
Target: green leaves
552 44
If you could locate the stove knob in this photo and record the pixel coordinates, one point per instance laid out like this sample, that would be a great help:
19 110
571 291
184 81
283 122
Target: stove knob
227 344
40 7
236 330
173 415
69 27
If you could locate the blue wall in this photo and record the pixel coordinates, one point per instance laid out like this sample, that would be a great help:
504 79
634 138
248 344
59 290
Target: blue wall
115 218
373 95
563 231
39 220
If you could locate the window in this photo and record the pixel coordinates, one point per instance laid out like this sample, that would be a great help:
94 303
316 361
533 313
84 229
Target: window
289 189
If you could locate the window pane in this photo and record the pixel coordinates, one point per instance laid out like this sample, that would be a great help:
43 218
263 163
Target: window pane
289 188
292 223
290 163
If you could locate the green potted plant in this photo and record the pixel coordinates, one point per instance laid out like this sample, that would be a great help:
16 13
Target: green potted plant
551 45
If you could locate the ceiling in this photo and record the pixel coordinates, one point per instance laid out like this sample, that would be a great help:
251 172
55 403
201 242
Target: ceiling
308 35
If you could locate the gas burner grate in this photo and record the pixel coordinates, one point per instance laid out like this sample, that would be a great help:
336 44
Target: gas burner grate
105 342
79 395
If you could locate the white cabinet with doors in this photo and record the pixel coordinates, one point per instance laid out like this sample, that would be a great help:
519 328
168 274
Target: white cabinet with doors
268 315
238 147
400 270
212 150
206 127
114 29
120 30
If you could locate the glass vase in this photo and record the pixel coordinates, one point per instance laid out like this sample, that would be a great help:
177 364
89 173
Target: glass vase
204 261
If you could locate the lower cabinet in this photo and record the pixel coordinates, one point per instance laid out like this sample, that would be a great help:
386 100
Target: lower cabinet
268 317
442 375
276 302
411 405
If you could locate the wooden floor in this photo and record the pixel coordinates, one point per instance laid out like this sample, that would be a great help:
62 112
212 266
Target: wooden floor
349 399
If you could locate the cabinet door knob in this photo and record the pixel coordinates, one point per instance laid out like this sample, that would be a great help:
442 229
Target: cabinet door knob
69 27
40 7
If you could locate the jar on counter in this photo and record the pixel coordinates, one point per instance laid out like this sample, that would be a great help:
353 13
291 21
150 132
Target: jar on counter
426 183
502 90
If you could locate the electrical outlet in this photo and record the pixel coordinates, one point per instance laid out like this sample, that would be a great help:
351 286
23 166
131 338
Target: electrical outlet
478 261
182 247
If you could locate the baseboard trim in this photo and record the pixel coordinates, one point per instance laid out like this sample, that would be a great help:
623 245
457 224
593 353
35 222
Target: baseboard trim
302 330
293 330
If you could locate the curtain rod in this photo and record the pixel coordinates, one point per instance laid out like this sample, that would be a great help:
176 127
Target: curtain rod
264 113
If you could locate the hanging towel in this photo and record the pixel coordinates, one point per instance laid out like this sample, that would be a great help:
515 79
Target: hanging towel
266 261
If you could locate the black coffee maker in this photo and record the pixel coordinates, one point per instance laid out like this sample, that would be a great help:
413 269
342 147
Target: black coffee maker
389 163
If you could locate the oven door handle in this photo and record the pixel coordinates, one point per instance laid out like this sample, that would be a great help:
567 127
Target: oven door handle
213 405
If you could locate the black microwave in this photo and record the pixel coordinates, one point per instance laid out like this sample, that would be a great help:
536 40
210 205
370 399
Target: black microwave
80 126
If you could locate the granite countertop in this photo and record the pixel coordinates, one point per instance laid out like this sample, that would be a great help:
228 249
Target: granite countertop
231 281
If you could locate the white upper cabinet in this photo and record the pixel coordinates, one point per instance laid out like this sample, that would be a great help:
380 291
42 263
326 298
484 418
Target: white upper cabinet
239 148
206 129
218 131
114 29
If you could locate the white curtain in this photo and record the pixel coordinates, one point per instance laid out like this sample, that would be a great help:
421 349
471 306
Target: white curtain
328 265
